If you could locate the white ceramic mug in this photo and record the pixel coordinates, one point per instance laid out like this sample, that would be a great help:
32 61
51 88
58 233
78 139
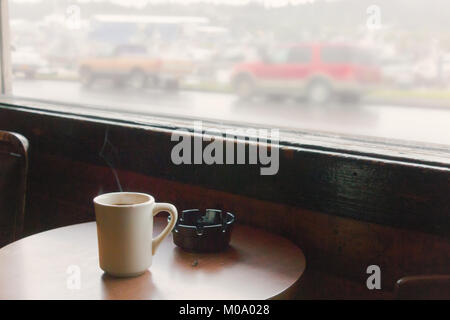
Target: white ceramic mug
124 230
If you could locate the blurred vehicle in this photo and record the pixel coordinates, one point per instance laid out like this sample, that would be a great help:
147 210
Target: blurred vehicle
317 71
398 72
134 66
27 62
129 64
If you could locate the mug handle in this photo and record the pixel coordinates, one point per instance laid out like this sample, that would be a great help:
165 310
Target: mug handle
167 207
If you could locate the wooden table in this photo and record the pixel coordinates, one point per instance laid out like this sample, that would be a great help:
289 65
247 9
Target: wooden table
258 265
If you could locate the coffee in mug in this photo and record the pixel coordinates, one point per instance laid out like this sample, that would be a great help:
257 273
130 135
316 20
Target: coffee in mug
125 231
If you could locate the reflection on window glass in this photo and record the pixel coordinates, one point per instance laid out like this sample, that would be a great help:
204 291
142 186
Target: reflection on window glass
300 55
344 67
346 54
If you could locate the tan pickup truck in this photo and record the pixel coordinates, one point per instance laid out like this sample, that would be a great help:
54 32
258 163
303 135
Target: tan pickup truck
132 65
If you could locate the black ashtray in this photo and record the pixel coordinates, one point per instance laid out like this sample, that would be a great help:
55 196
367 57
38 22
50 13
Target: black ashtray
203 230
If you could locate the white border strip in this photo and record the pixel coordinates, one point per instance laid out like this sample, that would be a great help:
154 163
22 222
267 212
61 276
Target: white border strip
5 49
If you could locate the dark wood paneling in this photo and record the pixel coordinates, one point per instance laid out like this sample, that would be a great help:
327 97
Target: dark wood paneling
385 192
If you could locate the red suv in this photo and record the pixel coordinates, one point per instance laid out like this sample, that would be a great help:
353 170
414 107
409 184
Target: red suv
317 71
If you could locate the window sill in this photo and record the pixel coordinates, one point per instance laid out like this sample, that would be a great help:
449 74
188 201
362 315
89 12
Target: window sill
360 146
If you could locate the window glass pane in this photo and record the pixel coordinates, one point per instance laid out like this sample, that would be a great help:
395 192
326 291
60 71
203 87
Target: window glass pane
276 55
346 55
337 55
347 67
299 55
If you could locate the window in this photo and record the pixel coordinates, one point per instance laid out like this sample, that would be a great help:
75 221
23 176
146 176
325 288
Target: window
277 55
300 55
378 73
346 55
338 55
